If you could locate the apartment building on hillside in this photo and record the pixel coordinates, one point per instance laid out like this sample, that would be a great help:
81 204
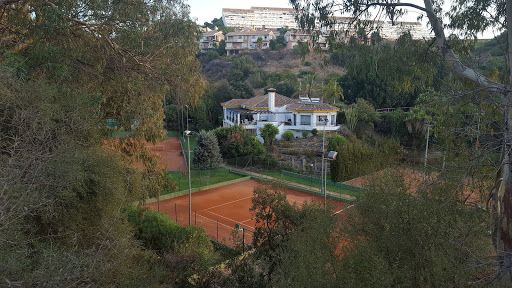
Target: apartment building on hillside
275 18
387 30
259 18
294 36
248 40
210 39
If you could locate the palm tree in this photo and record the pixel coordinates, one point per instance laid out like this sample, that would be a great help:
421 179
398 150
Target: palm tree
309 85
259 42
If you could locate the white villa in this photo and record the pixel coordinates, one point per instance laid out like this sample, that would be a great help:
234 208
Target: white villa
296 115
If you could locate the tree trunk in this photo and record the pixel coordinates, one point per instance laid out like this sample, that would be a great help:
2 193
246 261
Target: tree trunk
504 205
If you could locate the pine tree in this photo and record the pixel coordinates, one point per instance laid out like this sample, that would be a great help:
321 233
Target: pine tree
207 152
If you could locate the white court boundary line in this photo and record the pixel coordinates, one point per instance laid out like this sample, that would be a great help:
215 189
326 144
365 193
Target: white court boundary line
228 203
231 220
337 212
218 222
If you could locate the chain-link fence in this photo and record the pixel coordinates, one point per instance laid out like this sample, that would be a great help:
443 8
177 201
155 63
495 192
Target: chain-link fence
316 180
218 227
264 162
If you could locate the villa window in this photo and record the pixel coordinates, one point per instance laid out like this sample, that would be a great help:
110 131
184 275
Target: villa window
333 120
321 119
305 119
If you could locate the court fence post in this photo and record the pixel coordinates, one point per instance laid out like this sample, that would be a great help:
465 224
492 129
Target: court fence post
217 229
176 212
243 240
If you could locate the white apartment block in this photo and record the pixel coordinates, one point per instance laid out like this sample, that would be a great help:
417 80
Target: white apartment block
386 29
259 17
274 18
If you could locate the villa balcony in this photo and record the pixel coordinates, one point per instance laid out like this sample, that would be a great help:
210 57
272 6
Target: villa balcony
288 125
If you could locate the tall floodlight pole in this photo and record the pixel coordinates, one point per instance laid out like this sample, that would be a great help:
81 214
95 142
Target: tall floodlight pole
187 117
188 133
324 169
330 157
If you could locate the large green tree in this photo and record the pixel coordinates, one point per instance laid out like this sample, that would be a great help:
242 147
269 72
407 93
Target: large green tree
66 67
469 17
398 239
128 59
390 75
207 152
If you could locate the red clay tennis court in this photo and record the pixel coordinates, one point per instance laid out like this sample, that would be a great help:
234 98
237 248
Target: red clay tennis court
219 209
169 152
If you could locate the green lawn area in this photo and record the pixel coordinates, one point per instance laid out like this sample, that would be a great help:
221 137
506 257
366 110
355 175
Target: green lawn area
200 178
193 141
173 134
332 188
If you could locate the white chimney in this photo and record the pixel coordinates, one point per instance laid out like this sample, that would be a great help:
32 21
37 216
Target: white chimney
271 99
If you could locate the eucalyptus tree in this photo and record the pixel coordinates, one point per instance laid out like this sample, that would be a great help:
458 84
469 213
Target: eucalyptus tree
470 17
65 68
130 55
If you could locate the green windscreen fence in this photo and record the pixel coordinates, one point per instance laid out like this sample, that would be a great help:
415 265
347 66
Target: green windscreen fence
319 180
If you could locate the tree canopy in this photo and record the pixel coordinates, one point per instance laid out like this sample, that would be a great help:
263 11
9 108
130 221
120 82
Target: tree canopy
469 17
66 68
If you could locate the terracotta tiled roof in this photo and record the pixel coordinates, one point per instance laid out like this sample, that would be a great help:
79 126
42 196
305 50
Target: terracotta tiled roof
260 102
234 102
312 107
211 33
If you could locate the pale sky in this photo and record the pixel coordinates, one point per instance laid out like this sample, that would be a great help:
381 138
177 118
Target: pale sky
206 10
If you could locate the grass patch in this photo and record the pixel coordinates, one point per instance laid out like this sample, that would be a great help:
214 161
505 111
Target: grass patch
173 134
201 178
310 183
193 141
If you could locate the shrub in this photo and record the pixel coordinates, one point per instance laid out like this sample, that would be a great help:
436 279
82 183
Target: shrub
335 141
288 135
305 134
314 132
307 63
269 132
351 118
188 246
355 158
235 141
210 56
158 232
